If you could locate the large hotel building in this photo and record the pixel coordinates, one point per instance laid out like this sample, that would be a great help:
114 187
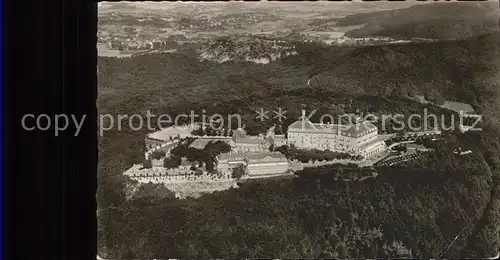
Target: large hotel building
359 138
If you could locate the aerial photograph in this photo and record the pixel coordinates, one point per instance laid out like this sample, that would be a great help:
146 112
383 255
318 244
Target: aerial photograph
298 130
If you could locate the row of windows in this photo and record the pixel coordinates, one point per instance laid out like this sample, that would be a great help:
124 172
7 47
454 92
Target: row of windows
334 134
367 139
268 170
319 136
372 152
322 140
324 146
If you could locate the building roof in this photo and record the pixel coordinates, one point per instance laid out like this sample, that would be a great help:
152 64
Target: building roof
302 125
173 131
200 143
358 129
266 156
231 156
250 140
253 157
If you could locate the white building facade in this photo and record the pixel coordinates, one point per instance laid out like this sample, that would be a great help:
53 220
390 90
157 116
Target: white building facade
240 142
360 138
255 164
271 163
226 162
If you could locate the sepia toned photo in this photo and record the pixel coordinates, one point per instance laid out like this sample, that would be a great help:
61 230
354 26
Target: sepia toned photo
298 130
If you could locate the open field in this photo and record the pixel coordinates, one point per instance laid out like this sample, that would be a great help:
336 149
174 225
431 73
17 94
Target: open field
450 105
103 51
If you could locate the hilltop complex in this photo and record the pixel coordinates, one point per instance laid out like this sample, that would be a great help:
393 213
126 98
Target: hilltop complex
253 156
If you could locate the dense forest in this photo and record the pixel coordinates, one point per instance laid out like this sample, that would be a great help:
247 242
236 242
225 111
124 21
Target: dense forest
405 212
462 70
408 211
240 48
443 21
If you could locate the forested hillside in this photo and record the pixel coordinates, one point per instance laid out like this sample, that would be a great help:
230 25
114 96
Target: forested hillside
415 211
405 212
463 70
449 20
165 81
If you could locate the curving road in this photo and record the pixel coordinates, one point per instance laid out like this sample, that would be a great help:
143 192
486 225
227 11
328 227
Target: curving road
398 143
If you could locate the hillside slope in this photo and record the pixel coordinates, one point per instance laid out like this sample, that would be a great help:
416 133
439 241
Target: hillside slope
414 211
408 212
435 21
463 70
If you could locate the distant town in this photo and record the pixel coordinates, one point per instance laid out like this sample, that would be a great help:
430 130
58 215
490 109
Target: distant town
150 33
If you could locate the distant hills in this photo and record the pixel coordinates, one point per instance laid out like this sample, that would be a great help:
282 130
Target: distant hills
464 70
456 70
436 21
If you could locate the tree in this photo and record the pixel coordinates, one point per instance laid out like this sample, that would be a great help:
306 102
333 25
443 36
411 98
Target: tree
337 109
158 154
286 102
216 148
172 162
193 154
238 172
147 164
396 249
209 164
